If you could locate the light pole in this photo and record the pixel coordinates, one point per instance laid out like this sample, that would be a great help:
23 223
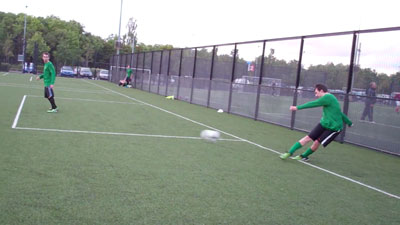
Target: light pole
118 41
24 43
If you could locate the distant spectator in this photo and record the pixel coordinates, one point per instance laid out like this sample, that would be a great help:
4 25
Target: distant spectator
397 98
273 88
369 103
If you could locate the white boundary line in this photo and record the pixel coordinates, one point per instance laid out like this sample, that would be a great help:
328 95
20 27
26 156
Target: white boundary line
14 125
250 142
89 100
116 133
58 88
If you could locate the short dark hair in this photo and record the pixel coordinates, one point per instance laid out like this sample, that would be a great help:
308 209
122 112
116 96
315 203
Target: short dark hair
321 87
46 53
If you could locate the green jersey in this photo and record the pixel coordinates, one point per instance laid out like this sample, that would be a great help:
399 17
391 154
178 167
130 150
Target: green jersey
332 116
49 74
128 72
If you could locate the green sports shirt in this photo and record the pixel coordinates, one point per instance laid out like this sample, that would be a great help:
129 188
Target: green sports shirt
129 72
49 74
332 116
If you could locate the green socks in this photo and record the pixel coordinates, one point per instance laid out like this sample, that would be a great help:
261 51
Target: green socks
307 153
296 146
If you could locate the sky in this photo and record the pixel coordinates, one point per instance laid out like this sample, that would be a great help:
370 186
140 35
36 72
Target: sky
191 23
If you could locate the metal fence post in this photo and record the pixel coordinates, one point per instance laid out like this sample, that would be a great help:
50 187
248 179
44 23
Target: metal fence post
151 69
159 74
349 84
297 83
193 76
137 61
144 61
179 73
167 77
232 78
260 81
211 76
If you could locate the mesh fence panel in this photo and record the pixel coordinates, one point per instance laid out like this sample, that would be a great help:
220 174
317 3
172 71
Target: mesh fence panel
172 85
155 72
211 81
219 95
383 133
147 71
185 88
244 97
274 105
223 63
200 91
187 63
162 84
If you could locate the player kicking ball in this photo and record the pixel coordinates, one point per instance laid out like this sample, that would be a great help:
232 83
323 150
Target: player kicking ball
330 125
49 77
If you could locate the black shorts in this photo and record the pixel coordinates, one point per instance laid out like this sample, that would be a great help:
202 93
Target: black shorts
324 136
128 79
48 92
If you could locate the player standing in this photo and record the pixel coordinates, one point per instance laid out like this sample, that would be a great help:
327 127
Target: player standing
49 77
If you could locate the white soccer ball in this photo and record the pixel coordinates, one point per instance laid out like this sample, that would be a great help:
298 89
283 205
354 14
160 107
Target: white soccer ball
220 111
210 135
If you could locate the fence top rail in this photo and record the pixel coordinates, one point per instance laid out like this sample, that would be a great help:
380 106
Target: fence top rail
287 38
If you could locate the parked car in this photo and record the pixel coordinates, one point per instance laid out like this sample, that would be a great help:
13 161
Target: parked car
85 72
103 74
67 71
28 68
239 82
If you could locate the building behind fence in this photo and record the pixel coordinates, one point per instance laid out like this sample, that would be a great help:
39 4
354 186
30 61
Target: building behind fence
261 79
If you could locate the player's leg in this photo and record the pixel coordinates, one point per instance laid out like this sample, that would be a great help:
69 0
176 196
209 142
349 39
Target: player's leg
326 137
371 114
313 135
365 112
50 97
309 151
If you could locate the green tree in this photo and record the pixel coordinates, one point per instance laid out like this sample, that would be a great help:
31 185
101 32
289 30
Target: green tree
8 49
42 46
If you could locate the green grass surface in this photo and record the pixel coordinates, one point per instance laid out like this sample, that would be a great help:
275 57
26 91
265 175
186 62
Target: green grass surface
111 177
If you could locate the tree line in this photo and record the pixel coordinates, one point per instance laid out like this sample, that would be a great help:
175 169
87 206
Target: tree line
67 42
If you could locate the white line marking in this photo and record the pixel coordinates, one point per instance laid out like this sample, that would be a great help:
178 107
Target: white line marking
30 79
58 88
90 100
116 133
14 125
250 142
352 180
381 124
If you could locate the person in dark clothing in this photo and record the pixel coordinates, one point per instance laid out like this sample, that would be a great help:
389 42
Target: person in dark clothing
369 103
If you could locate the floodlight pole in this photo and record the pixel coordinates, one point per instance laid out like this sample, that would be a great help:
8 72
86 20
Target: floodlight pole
118 41
24 43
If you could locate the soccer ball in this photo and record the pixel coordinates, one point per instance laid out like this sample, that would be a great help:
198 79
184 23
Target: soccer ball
210 135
